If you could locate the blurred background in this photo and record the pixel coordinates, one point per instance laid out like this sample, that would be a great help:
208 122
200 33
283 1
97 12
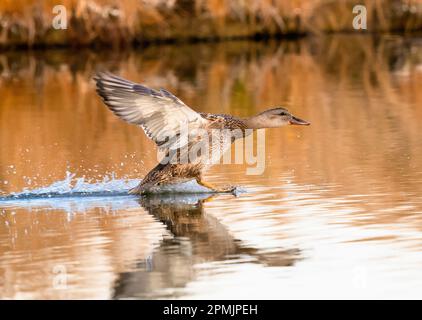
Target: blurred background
27 23
337 212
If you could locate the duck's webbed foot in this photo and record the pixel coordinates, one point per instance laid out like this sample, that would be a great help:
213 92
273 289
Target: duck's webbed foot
228 189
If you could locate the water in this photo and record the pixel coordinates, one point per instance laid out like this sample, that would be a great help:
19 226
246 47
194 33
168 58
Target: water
336 214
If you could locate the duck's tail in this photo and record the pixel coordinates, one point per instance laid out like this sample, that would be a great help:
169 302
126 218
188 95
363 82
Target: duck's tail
137 190
152 178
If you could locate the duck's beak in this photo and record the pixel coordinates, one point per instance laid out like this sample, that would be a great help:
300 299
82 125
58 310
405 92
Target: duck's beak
299 122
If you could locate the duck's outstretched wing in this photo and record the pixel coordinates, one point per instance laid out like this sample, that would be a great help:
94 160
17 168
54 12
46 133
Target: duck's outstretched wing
161 114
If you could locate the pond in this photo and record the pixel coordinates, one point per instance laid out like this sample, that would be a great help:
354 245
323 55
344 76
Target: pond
337 213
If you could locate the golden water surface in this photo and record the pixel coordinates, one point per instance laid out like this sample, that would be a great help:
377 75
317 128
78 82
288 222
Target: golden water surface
336 214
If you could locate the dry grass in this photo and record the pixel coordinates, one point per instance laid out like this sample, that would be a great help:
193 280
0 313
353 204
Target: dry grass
112 22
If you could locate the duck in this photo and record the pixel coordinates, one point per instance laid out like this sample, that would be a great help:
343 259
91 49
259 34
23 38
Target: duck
178 130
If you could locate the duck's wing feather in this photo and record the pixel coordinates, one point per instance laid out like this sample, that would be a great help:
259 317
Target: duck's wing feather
161 114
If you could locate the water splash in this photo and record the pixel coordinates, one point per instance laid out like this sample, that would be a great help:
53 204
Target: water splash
72 186
77 194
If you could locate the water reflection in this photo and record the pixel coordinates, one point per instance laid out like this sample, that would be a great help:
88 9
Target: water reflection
198 238
340 198
149 261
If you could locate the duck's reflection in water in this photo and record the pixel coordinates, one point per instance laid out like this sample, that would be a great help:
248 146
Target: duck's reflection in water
198 238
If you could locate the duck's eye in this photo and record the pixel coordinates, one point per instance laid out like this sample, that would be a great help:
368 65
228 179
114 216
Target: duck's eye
283 114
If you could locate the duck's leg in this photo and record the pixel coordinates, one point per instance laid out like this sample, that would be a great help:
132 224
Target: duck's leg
213 188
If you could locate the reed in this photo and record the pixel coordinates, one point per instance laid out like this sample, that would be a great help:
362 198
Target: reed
29 22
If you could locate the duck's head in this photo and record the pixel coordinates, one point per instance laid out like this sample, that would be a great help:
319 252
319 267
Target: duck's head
274 118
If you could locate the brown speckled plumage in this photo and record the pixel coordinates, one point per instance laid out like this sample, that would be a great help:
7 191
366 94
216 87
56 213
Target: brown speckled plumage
176 173
223 121
159 112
